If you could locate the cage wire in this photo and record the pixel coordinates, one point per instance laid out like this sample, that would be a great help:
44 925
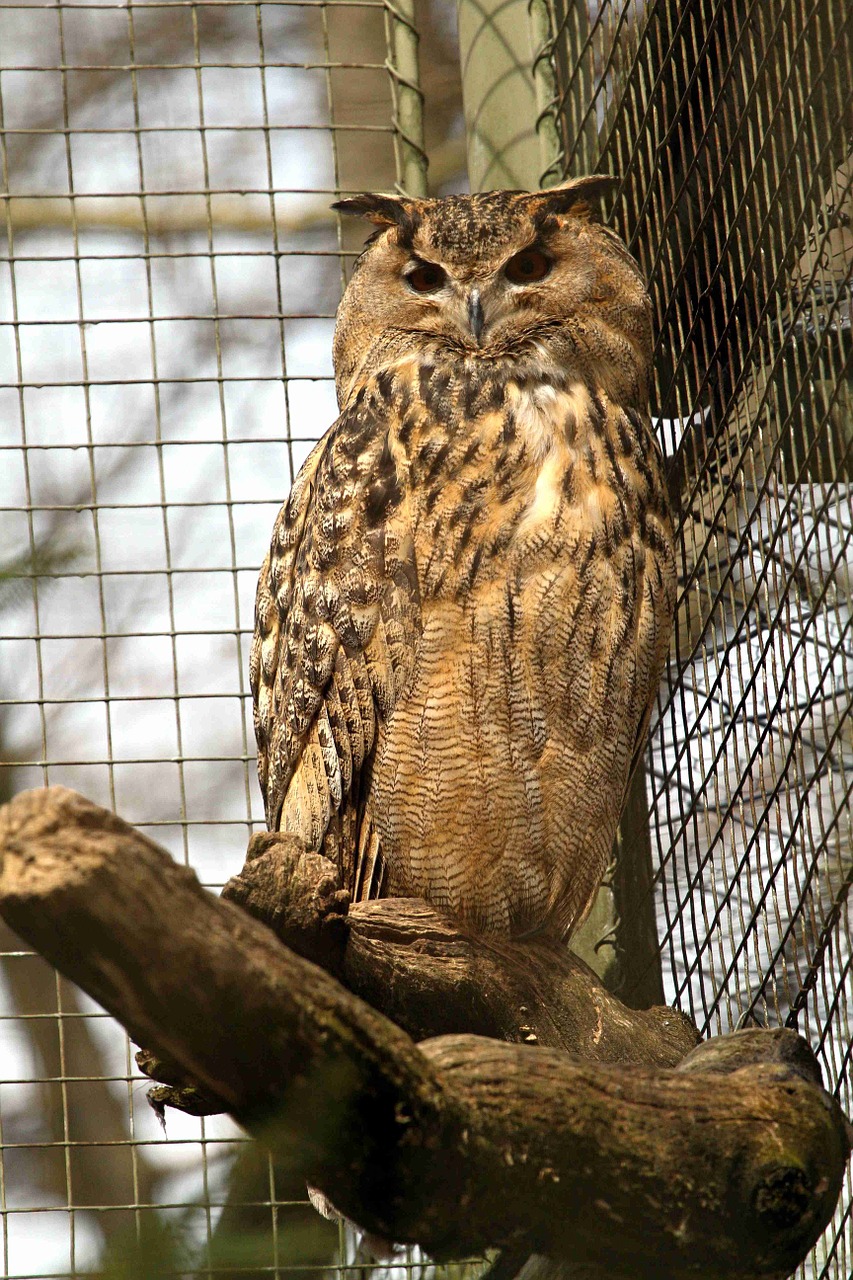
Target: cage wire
169 279
730 123
169 275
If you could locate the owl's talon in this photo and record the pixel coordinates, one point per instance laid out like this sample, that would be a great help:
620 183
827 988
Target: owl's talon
174 1088
332 902
189 1099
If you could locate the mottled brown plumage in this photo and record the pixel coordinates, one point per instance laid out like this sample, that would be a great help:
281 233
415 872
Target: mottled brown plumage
463 617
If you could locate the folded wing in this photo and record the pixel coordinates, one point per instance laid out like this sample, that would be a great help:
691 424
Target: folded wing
336 630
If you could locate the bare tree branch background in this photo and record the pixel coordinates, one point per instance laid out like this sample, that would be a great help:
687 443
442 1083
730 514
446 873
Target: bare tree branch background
139 186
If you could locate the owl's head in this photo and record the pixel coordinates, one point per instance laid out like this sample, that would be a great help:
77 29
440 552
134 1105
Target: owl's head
503 275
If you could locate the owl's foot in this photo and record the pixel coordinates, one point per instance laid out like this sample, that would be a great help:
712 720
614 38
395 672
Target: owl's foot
175 1089
296 894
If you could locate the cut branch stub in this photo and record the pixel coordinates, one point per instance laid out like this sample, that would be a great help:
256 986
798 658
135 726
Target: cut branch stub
457 1144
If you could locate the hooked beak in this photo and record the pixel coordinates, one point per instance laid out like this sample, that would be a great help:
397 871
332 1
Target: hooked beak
476 319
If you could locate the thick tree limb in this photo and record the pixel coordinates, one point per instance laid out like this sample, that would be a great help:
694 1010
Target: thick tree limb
459 1143
431 977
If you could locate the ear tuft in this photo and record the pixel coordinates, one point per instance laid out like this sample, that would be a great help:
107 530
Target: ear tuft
383 210
577 195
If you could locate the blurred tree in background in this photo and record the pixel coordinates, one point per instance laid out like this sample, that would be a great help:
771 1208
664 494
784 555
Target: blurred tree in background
170 269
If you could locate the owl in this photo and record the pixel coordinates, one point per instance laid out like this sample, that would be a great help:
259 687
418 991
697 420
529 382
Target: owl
464 613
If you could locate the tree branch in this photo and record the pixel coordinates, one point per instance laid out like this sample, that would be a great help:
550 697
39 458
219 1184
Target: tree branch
457 1144
432 977
427 975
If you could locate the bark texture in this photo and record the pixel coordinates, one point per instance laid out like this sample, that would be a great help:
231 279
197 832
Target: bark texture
432 977
458 1143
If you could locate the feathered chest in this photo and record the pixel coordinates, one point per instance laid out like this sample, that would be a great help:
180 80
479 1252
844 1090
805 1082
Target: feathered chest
504 472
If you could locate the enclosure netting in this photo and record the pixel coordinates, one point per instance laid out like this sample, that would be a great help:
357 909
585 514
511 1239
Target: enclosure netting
169 273
731 125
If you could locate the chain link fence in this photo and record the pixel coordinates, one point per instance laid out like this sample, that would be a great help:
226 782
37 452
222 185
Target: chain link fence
169 273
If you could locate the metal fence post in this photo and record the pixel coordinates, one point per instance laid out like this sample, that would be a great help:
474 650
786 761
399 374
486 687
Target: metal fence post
499 94
402 63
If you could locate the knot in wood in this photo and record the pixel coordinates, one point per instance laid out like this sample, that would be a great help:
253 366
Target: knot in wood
783 1196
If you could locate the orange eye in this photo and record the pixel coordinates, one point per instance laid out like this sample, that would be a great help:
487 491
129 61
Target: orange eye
528 266
427 278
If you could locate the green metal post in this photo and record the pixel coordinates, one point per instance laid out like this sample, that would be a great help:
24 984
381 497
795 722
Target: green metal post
408 119
508 94
551 154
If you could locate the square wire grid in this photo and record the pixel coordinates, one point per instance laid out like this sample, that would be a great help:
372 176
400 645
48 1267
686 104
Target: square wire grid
169 274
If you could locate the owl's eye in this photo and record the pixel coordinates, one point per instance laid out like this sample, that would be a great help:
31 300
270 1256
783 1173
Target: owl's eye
527 266
427 278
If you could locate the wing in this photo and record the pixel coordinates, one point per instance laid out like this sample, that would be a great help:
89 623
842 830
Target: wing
337 622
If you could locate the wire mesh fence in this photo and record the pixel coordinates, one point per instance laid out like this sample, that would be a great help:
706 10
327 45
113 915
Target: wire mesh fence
731 124
169 275
168 280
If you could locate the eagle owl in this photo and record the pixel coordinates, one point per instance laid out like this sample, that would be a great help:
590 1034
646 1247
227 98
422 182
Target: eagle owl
463 616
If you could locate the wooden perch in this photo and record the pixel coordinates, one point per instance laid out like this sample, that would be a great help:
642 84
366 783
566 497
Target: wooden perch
458 1143
432 977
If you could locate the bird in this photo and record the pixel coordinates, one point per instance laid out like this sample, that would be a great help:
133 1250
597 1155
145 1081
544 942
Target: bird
465 610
